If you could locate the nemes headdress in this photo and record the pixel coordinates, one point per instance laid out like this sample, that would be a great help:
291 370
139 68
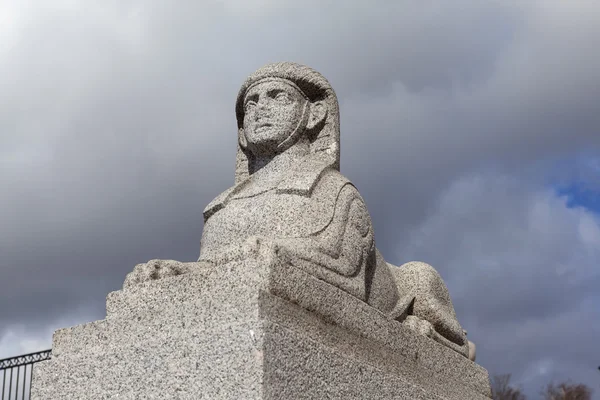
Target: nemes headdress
325 140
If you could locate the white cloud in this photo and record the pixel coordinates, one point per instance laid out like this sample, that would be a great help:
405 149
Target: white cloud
18 339
16 342
9 25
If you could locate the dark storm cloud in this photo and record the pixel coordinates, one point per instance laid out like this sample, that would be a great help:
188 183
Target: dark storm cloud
117 128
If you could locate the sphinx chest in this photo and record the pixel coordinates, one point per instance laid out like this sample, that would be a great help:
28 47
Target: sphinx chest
268 215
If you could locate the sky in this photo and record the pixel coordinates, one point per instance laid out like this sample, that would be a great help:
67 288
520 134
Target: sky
471 129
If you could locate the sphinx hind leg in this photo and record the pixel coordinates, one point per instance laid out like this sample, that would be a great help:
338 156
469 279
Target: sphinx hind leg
432 301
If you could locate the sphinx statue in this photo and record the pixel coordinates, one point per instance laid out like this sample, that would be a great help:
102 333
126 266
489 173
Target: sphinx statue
290 196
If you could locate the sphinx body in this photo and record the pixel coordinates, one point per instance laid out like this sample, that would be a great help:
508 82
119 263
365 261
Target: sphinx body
317 219
319 222
289 192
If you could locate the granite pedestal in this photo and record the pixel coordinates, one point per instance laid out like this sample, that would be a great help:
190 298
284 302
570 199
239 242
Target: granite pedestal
249 330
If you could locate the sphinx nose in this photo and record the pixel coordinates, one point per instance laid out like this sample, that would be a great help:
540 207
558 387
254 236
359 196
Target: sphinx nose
261 109
262 104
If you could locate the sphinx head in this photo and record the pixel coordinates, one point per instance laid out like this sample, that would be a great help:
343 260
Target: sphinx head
277 115
282 105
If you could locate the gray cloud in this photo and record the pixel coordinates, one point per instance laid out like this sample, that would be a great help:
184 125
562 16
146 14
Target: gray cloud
523 271
117 128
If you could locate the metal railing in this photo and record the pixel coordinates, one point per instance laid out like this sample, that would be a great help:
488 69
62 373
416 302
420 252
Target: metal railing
15 373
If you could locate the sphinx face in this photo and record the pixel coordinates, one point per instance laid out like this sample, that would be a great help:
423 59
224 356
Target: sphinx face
273 110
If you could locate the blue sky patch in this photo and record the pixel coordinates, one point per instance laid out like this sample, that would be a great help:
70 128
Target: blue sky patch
579 195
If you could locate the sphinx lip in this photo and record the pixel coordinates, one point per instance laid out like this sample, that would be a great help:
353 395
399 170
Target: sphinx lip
264 125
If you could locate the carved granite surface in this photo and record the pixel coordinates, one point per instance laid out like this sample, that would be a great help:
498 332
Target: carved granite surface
290 297
290 195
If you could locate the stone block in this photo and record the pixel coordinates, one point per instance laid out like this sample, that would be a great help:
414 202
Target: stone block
249 330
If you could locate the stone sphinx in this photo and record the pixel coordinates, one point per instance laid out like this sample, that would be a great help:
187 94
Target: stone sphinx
289 197
289 298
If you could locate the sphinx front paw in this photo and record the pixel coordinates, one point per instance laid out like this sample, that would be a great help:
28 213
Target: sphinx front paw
154 270
267 250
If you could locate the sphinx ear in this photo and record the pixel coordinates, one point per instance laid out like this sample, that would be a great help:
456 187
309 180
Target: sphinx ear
242 139
318 112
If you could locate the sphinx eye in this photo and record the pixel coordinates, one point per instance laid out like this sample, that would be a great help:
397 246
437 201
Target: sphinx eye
249 106
282 97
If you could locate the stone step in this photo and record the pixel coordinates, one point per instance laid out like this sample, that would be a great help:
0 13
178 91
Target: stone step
166 363
223 284
182 322
289 352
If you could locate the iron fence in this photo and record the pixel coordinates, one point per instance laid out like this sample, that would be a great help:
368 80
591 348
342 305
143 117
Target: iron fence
15 373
